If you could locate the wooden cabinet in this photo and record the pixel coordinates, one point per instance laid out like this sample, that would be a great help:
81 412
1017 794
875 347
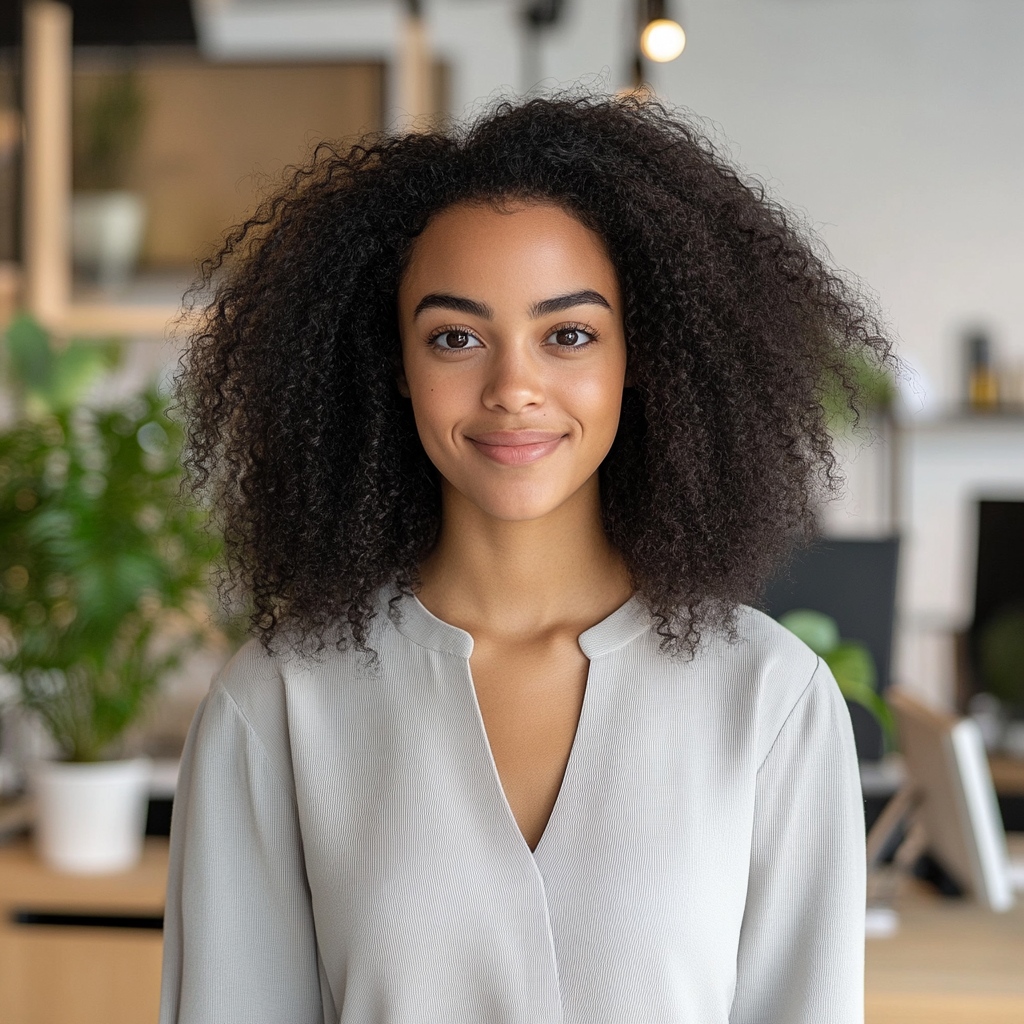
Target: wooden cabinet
79 950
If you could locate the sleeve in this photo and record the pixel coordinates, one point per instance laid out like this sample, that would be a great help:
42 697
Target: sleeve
801 949
239 943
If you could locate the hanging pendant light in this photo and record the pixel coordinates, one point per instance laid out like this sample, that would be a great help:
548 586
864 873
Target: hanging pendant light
661 38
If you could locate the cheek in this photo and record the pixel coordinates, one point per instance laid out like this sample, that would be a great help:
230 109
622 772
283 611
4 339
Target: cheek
438 401
597 399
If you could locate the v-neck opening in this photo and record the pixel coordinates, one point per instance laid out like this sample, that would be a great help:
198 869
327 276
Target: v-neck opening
496 775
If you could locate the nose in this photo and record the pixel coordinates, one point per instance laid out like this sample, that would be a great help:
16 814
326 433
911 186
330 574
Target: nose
514 382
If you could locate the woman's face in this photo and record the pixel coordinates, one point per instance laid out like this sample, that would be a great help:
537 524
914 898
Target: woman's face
513 352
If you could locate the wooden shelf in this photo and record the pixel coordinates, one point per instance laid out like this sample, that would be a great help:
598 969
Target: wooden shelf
96 319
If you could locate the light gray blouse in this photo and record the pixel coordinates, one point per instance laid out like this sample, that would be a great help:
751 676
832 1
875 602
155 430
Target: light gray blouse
342 849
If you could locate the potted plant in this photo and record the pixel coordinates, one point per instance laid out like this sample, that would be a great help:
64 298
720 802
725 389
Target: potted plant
107 219
102 587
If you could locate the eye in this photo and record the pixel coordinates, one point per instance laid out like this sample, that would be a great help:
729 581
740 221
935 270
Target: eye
571 337
455 341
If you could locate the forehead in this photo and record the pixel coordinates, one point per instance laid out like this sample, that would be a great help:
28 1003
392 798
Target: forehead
522 248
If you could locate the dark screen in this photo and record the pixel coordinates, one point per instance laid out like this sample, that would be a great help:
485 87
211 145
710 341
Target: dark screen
854 581
1000 575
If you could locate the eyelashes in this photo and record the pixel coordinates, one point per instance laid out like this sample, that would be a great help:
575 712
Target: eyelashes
453 339
574 328
458 338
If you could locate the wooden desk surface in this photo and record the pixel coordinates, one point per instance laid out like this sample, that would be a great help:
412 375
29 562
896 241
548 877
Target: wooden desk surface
1008 775
26 882
951 962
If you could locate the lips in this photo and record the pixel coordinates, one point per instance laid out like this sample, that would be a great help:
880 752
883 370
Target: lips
516 447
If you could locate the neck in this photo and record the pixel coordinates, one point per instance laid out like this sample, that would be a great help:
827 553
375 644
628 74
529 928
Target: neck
523 579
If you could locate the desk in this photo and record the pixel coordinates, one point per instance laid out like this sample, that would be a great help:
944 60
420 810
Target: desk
70 974
1007 775
950 963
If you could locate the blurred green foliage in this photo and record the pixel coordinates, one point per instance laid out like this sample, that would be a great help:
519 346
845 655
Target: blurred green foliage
103 570
1001 650
107 131
873 387
850 662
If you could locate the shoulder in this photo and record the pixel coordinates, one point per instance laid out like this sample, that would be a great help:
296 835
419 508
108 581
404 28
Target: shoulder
773 669
250 693
758 646
267 689
771 644
253 681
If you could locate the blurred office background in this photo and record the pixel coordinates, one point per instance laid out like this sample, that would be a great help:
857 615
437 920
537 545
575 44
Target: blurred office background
893 128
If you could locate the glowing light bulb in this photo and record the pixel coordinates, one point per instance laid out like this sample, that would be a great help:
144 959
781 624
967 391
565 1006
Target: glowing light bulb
662 40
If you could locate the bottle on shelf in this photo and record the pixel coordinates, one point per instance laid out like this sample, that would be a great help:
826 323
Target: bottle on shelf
982 384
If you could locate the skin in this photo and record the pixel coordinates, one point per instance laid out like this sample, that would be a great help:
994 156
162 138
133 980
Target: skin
514 359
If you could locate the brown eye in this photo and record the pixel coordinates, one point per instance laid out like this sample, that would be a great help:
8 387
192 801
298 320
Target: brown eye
571 337
455 340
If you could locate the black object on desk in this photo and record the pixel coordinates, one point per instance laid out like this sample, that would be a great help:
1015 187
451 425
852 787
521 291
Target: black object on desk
158 816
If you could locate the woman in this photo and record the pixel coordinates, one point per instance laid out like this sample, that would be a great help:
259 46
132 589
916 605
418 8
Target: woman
503 424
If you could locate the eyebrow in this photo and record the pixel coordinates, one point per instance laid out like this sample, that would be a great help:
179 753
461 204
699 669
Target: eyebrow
442 300
587 297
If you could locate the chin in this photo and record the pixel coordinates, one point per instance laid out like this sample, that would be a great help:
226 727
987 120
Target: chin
517 505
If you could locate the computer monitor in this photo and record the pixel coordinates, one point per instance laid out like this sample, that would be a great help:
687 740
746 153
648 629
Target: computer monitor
853 581
949 783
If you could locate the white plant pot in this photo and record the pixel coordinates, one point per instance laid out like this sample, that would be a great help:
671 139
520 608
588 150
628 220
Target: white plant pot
90 818
106 234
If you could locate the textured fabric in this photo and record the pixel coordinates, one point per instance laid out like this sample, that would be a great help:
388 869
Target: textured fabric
342 849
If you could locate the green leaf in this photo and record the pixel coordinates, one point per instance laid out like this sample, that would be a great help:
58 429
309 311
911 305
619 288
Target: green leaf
852 665
31 357
859 387
849 661
75 371
1001 649
54 381
817 630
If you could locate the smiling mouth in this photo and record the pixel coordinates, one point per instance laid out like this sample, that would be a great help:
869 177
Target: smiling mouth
516 447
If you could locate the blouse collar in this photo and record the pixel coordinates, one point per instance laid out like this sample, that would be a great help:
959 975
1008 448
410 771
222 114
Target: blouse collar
422 627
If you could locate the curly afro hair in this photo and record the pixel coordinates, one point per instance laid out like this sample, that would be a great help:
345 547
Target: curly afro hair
734 319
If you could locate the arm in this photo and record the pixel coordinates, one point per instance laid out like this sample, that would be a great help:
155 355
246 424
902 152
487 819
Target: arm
239 943
801 951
